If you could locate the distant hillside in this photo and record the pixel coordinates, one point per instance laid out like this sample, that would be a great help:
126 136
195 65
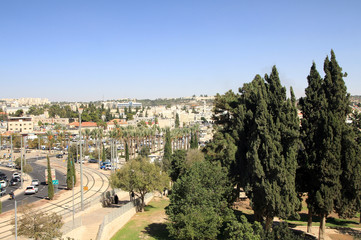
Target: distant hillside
355 99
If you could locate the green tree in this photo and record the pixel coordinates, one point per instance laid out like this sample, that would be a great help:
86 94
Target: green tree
19 113
144 151
325 160
167 151
257 140
50 181
72 159
177 120
126 152
141 177
198 208
69 173
178 164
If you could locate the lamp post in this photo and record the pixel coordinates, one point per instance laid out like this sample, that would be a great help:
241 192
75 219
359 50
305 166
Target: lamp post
81 162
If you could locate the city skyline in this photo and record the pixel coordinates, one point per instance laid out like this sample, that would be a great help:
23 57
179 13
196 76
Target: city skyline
89 51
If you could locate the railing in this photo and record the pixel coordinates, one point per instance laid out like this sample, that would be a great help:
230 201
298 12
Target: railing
119 212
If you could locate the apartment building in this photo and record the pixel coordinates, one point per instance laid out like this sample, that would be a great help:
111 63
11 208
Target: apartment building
20 124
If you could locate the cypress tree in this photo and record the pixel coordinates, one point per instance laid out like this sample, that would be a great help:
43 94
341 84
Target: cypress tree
177 120
270 133
259 128
312 107
69 173
167 151
73 168
329 128
50 181
126 152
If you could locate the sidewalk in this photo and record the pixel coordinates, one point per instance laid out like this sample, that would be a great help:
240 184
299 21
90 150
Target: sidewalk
91 219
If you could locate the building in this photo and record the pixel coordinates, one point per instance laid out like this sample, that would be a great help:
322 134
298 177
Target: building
120 122
43 120
20 124
129 104
84 125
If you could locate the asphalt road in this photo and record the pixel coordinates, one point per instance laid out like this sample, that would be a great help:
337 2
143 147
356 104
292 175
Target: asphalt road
37 173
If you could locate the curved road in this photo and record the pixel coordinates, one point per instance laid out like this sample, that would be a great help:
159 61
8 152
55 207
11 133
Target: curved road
91 177
37 173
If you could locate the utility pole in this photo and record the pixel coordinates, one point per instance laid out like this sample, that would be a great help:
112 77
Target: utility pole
21 161
11 143
81 162
73 196
16 222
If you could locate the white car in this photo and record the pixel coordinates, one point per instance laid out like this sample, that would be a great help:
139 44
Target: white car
108 166
3 183
35 182
31 190
16 174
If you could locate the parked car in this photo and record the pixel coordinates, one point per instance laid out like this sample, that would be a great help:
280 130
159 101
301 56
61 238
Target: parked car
93 160
59 156
3 183
108 166
2 191
14 181
35 182
31 190
16 174
10 165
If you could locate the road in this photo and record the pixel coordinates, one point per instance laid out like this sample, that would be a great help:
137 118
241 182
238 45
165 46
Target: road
37 173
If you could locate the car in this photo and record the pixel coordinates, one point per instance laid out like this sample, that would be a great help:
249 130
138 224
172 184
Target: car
2 191
14 181
16 174
93 160
10 165
59 156
31 190
35 182
108 166
16 150
3 183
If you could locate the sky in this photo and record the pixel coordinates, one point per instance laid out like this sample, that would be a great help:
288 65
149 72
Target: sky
93 50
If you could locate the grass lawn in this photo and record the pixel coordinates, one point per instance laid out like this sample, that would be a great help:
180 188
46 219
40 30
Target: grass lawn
149 224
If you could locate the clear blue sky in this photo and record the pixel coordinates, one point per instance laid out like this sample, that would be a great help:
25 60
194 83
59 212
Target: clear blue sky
86 50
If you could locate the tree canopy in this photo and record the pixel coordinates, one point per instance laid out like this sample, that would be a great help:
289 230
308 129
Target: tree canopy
141 177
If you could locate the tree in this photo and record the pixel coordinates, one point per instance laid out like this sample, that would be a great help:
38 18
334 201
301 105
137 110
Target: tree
27 168
167 151
71 156
38 225
144 151
50 182
19 113
178 164
69 173
126 152
256 139
325 109
194 155
177 120
198 207
141 177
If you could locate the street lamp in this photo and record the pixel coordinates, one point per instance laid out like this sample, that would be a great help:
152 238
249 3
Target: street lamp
81 162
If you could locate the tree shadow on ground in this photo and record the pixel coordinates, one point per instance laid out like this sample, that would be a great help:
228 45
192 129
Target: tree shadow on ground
353 232
148 207
158 231
119 204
